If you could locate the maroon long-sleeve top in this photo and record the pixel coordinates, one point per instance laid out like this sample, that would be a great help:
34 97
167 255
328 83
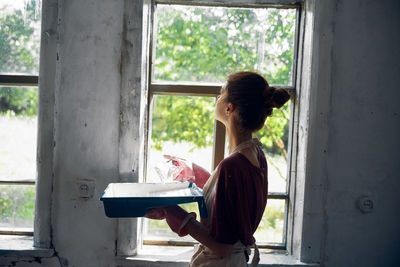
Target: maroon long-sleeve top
240 199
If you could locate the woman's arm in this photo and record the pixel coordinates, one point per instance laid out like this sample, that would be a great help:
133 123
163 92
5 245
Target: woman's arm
184 223
199 232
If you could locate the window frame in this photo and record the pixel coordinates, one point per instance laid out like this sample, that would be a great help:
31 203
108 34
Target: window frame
213 90
24 80
14 80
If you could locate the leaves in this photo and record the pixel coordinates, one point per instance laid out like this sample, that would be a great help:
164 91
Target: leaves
20 100
182 118
19 46
19 50
200 44
17 205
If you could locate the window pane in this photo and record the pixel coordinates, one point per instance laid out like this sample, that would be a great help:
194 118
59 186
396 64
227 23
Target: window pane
19 36
270 229
207 43
181 126
274 137
17 205
18 130
160 231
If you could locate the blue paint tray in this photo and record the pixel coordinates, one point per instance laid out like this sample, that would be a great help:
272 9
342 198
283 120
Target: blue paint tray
123 200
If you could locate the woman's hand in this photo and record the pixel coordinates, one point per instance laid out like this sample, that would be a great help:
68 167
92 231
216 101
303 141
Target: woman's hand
201 175
156 214
197 173
176 217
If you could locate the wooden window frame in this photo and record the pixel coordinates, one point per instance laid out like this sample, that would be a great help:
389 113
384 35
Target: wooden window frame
213 90
28 81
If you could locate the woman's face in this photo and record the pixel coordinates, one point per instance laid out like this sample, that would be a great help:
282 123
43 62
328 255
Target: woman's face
220 106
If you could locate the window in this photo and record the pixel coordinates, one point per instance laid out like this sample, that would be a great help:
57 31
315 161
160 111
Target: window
193 49
19 67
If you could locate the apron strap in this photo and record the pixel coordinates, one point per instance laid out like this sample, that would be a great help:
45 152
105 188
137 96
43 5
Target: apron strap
256 257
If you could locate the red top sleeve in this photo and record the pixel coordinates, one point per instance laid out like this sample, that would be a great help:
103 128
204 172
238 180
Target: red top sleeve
240 200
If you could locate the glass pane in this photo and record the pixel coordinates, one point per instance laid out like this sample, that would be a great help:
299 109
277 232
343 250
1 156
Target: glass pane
181 126
270 229
159 229
19 36
18 131
205 44
17 205
274 137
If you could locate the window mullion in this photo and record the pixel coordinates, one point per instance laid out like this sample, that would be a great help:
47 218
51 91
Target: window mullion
16 231
19 80
219 143
20 182
185 89
244 3
275 195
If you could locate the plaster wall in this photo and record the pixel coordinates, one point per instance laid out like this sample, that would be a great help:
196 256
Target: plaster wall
86 129
363 144
352 148
353 136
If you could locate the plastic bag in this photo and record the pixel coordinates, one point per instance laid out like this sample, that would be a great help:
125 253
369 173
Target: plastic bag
182 170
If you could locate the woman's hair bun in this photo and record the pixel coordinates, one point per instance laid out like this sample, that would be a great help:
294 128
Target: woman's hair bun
279 96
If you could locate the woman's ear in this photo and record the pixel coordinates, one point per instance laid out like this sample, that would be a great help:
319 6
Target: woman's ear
229 109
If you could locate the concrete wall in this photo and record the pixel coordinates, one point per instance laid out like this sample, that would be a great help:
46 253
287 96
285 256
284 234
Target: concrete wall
353 146
86 128
363 126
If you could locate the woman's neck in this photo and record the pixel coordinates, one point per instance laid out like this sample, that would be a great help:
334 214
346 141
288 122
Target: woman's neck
235 137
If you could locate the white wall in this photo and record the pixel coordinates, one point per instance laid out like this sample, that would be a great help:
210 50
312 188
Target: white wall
353 147
86 128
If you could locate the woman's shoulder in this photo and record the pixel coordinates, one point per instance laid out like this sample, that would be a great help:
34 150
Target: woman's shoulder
231 159
234 161
240 164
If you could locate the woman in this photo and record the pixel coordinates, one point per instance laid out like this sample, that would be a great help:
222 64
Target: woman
236 192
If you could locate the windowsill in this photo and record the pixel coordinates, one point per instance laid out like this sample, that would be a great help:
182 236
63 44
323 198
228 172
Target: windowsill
180 256
17 246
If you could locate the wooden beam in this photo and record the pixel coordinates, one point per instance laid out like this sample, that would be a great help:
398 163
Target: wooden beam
19 80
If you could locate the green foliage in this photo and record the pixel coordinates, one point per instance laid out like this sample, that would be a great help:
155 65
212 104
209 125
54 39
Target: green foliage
17 205
272 215
274 134
205 45
188 49
19 50
18 47
181 118
5 208
21 101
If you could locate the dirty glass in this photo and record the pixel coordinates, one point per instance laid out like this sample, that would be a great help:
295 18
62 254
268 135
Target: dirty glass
205 44
19 36
17 205
18 131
